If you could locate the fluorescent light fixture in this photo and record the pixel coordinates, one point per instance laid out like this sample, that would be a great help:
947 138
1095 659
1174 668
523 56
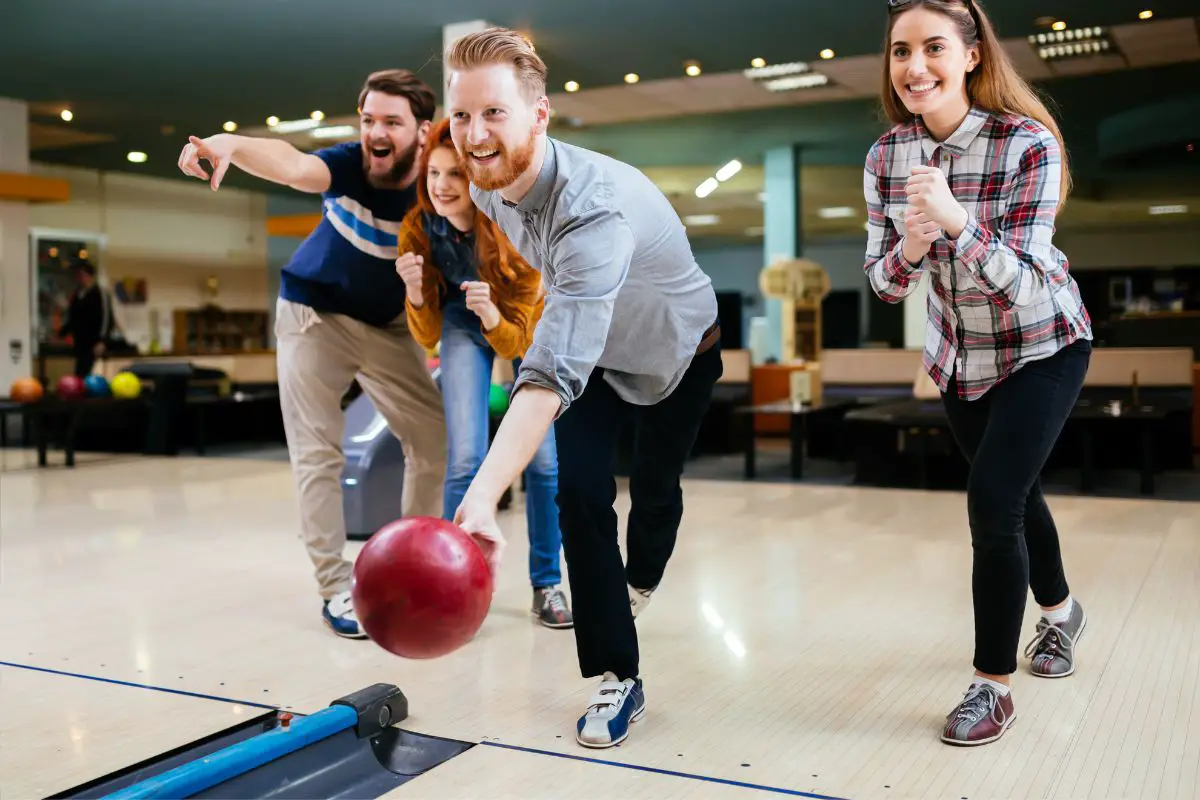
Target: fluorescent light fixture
295 125
701 220
1173 209
809 81
708 187
136 156
776 70
835 212
334 132
729 170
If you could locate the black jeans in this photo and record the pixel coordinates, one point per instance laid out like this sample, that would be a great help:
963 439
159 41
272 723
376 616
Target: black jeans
587 436
1007 435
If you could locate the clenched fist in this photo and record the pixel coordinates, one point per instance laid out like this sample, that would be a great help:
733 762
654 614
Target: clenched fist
929 194
410 267
479 300
920 232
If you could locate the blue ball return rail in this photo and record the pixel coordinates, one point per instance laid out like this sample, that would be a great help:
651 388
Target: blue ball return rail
350 749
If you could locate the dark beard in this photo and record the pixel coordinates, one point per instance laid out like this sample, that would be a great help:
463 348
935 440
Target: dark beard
395 176
512 166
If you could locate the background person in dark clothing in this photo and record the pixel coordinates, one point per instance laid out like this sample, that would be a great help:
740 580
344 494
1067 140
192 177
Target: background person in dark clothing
89 319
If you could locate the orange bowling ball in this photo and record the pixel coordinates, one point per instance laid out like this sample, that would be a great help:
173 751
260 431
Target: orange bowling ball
26 390
422 587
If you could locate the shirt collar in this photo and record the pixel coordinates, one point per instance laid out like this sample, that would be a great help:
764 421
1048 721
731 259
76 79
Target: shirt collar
958 142
535 199
440 226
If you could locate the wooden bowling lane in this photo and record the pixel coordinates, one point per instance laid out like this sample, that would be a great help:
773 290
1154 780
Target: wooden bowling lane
510 774
817 634
57 732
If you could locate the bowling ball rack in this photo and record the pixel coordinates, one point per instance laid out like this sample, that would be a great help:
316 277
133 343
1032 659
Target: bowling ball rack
351 749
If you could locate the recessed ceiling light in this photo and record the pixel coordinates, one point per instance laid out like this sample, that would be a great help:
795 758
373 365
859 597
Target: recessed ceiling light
1147 14
827 53
631 77
136 156
272 121
692 68
1059 26
67 115
701 219
571 86
230 126
318 115
758 63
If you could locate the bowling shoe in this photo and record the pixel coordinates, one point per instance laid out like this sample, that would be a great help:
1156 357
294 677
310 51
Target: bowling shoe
982 717
1052 650
339 615
550 607
613 708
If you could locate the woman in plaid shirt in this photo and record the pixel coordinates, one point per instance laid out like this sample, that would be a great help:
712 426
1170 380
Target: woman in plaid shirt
965 188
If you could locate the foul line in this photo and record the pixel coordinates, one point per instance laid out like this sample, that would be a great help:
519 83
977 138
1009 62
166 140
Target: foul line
656 770
140 685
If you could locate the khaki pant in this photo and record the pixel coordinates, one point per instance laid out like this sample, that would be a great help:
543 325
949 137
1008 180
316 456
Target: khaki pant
318 357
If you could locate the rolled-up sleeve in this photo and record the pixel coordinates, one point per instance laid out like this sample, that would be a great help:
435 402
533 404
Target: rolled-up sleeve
589 258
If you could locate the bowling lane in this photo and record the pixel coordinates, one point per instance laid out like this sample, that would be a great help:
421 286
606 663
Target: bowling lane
816 634
57 732
532 776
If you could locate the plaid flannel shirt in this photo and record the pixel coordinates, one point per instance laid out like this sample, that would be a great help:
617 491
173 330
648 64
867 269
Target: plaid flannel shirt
1001 295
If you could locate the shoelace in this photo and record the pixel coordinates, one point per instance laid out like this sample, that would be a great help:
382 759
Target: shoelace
555 600
1049 640
978 701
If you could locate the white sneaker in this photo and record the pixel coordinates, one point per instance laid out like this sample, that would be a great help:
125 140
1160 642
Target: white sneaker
639 599
339 615
613 708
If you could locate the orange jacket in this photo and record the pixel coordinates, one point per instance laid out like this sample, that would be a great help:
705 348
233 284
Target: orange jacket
519 298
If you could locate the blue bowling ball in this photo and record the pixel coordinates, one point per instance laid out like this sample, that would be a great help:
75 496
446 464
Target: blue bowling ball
96 386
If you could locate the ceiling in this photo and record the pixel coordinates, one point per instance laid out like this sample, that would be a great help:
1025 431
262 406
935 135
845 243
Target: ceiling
143 74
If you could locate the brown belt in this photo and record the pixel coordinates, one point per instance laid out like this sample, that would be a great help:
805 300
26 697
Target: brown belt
710 337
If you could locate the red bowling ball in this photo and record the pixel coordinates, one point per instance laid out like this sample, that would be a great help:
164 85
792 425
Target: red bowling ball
70 387
422 587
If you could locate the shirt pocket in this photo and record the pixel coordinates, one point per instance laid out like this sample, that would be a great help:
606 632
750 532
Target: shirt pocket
897 214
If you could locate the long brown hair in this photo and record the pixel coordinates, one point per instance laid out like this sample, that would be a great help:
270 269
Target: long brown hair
994 85
498 261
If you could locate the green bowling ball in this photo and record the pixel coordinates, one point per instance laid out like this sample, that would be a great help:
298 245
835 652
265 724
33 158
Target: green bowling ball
497 400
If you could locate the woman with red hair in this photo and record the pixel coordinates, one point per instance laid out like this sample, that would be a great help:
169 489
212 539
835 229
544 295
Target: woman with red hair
468 287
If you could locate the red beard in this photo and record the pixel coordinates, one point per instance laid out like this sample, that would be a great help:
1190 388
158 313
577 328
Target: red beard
506 169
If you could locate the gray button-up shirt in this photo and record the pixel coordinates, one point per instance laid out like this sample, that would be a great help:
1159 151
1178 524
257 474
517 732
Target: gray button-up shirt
623 290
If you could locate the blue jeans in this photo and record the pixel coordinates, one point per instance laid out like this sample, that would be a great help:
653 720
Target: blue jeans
466 378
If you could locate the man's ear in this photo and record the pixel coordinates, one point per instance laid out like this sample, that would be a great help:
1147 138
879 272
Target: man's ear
542 115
